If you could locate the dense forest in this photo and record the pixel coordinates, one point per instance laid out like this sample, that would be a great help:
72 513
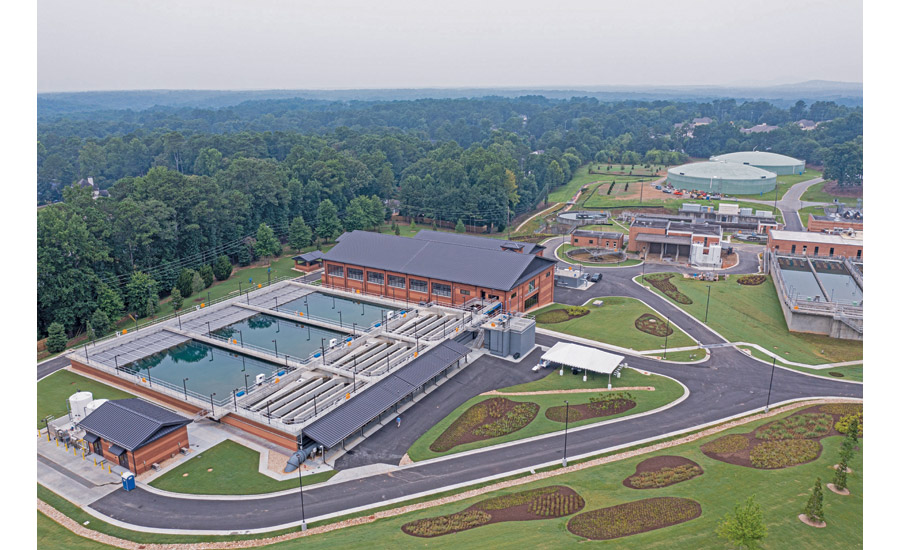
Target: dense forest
189 185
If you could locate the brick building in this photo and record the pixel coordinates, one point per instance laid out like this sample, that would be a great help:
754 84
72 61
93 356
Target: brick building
134 433
445 268
699 242
309 261
597 239
835 221
848 244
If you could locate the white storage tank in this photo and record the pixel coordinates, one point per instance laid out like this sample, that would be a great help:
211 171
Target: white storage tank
77 403
93 406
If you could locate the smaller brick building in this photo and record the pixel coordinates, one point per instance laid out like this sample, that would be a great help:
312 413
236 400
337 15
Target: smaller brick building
699 242
597 239
134 433
309 261
834 222
807 243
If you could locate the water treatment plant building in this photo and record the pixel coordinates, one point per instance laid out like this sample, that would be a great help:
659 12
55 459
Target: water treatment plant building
722 177
771 162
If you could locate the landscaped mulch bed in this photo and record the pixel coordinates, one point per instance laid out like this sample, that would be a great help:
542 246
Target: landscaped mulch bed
485 420
786 442
836 374
604 405
662 471
751 280
545 503
653 325
663 283
634 517
561 315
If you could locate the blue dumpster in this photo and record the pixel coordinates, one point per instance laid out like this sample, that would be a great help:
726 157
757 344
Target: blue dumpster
128 481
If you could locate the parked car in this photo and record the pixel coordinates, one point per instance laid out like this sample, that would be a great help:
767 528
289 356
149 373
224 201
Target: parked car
596 277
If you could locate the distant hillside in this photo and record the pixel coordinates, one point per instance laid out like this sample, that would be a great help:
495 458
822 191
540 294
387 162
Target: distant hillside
52 105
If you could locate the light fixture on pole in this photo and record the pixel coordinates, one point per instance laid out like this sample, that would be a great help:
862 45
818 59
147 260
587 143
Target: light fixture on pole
566 437
294 464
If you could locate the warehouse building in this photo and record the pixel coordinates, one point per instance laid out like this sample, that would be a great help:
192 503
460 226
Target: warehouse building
771 162
443 268
846 244
721 177
597 239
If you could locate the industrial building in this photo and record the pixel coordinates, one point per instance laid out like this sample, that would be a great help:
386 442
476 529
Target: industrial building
134 433
597 239
837 219
770 162
721 177
700 243
843 244
441 268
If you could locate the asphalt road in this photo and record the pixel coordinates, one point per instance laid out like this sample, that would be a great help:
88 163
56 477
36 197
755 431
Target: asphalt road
790 204
729 383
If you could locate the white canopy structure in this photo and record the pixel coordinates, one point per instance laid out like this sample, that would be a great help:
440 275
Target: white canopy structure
583 357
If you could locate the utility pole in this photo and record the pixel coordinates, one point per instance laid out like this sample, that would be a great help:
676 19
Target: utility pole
708 290
771 379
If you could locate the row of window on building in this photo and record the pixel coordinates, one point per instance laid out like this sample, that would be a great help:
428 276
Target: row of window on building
376 278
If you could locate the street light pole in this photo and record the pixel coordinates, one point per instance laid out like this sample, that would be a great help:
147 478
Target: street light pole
246 385
184 383
276 347
666 349
212 404
242 337
208 330
566 437
341 319
771 379
708 290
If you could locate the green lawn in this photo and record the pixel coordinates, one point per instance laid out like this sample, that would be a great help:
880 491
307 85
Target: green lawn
806 211
783 184
613 323
598 227
816 193
667 390
54 390
752 314
581 177
235 471
53 535
854 372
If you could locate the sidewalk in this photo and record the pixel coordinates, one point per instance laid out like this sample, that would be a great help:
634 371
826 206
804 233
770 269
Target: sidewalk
75 478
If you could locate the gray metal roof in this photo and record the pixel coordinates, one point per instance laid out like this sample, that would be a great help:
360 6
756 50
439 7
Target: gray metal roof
486 267
310 256
477 242
132 423
598 234
667 239
347 419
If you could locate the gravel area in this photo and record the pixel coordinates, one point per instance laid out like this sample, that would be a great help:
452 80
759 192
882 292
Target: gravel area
83 531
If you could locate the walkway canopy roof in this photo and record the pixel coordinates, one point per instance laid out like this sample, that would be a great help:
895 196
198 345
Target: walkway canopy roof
583 357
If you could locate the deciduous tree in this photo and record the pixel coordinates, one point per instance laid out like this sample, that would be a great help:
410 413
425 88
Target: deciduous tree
744 528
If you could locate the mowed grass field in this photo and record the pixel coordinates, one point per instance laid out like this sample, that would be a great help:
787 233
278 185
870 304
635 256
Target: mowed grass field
781 494
54 390
783 184
817 193
235 471
667 390
752 314
582 178
613 323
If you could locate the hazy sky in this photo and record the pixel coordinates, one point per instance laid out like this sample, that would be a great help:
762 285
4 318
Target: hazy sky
296 44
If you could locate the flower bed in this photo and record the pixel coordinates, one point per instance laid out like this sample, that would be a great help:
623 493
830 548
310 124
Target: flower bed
782 443
544 503
751 280
561 315
633 518
662 471
769 455
485 420
798 426
843 424
663 283
604 405
653 325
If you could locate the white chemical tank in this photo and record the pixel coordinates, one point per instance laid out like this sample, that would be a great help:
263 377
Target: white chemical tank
260 378
93 406
77 402
390 314
332 342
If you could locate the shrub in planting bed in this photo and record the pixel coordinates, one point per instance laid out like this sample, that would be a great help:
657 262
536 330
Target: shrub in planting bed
485 420
798 426
751 280
662 471
605 405
663 283
651 324
633 518
561 315
782 453
544 503
841 408
843 425
726 444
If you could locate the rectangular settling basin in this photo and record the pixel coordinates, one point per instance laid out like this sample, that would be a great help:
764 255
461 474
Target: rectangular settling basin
342 311
291 338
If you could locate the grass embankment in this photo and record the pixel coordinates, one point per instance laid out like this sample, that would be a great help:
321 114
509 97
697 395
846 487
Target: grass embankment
784 183
613 323
753 314
667 390
234 471
780 493
54 390
806 211
581 178
817 193
854 372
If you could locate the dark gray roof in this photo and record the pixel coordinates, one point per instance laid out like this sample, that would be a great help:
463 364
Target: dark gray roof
347 419
477 242
132 423
698 228
485 267
598 234
667 239
309 256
